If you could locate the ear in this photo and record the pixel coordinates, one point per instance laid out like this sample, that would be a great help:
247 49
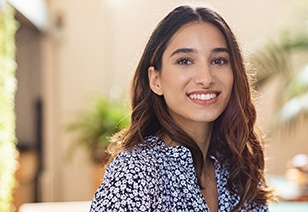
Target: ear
154 81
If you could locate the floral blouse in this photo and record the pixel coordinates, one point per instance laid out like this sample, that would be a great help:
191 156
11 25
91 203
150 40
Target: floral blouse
154 177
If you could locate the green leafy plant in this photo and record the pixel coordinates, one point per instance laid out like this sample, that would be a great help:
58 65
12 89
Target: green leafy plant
95 126
286 59
8 84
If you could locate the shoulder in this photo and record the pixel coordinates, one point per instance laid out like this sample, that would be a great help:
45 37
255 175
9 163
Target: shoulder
140 162
131 180
142 155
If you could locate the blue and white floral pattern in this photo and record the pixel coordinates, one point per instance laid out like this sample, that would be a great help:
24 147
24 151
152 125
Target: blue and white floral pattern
154 177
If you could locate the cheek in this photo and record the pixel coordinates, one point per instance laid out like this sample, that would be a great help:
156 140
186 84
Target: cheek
230 87
229 80
173 81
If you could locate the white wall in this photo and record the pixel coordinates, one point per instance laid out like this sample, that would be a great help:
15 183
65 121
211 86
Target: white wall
98 48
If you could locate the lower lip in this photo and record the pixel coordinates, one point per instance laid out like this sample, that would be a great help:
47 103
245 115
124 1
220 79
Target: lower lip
205 102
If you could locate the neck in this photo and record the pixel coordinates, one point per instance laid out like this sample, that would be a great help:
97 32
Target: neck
201 134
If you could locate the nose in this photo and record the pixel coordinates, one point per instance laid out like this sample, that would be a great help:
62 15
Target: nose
203 76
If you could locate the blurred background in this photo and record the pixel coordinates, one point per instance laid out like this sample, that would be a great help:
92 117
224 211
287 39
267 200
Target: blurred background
69 52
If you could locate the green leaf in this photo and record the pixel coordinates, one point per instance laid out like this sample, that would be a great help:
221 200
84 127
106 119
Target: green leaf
95 126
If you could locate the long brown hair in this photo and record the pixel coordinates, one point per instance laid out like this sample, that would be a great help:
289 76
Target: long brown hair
233 138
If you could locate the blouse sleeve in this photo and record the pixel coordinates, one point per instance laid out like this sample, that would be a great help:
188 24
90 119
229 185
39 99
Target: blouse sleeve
130 184
255 207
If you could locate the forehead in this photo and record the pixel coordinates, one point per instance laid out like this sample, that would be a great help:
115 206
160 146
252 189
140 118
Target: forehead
198 35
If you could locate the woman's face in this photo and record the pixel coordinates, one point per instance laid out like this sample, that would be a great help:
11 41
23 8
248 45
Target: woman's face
196 78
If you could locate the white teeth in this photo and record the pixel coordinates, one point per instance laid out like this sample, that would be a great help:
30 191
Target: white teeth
203 96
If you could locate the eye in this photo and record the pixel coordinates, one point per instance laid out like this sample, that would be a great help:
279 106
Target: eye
184 61
219 61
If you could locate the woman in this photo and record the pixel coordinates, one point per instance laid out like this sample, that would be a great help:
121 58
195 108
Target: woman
191 145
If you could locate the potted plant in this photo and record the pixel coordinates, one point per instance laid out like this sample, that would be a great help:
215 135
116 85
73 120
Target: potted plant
93 129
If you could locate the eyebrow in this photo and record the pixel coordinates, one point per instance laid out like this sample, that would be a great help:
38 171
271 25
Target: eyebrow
221 49
192 50
184 50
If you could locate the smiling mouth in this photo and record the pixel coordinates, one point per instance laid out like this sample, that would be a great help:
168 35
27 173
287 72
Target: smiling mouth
204 97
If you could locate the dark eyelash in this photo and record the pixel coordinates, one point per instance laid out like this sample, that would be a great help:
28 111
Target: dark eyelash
222 61
181 61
